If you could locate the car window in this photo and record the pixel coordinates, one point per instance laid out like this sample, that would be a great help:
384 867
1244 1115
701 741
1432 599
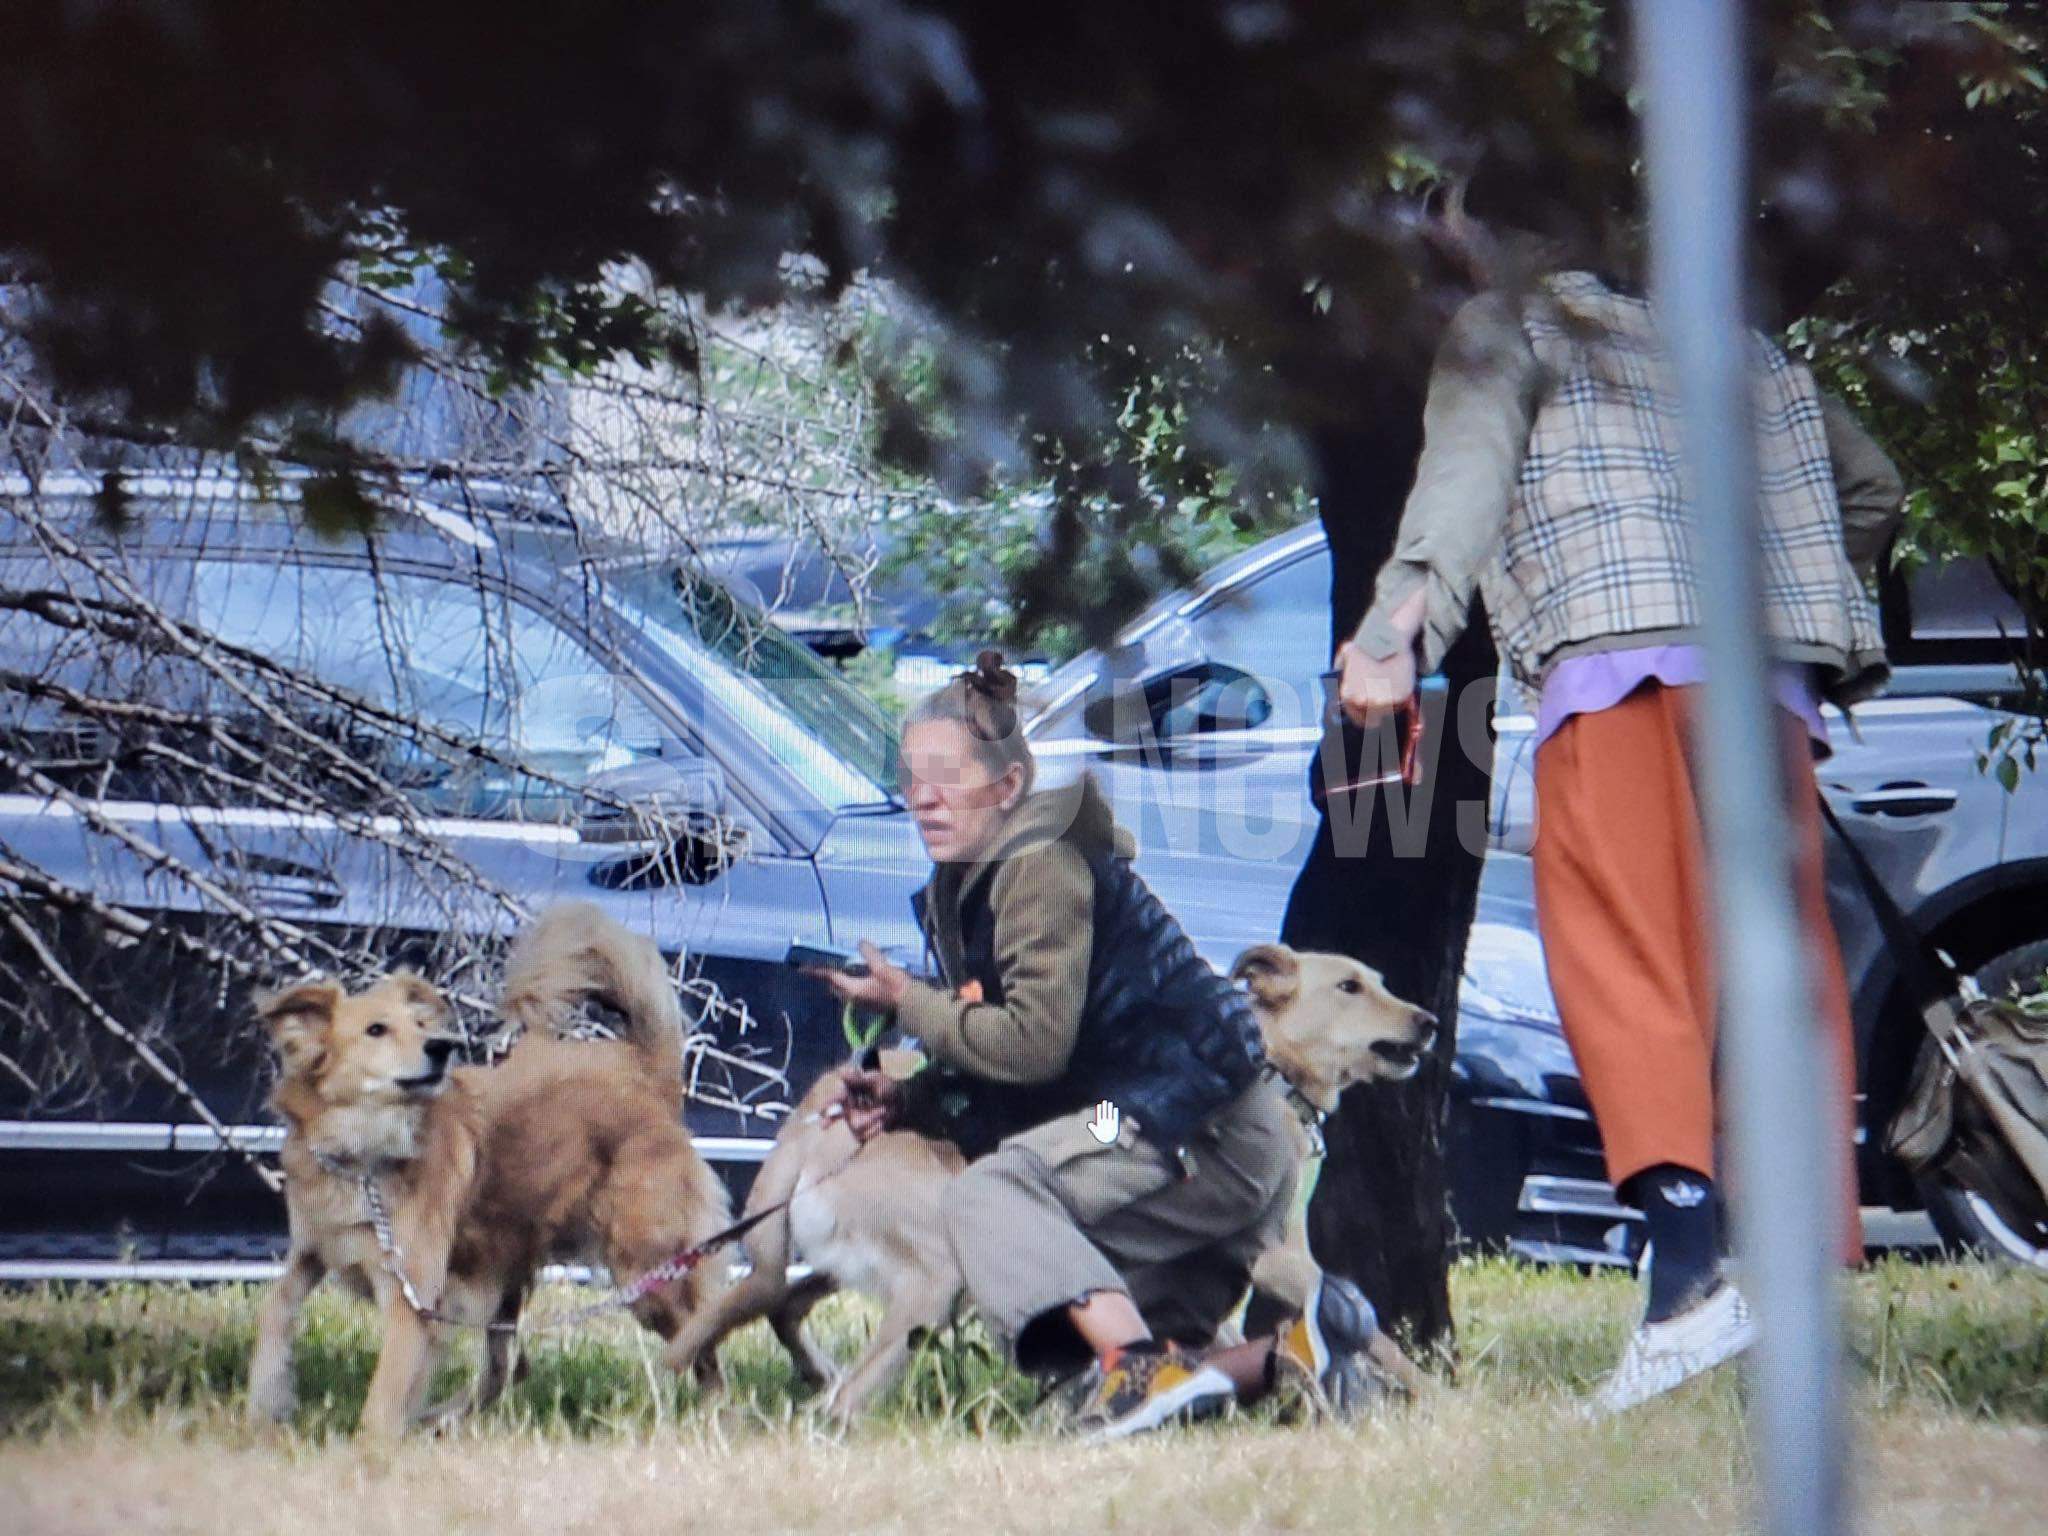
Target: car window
817 725
1962 600
457 656
74 647
1276 627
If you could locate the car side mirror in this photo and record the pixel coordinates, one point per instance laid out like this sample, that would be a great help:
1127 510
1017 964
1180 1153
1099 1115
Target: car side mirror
1119 714
668 818
650 800
1186 703
1210 698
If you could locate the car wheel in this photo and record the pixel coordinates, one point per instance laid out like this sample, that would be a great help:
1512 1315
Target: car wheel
1965 1219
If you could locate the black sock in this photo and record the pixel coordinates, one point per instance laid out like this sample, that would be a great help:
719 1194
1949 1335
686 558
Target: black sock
1685 1247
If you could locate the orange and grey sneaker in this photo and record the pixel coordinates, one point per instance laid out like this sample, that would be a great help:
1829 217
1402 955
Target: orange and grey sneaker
1323 1351
1149 1386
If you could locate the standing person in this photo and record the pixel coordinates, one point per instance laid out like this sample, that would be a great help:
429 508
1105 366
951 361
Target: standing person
1129 1158
1550 481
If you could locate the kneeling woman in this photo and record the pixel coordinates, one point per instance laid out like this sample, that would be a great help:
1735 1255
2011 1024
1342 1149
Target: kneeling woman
1125 1234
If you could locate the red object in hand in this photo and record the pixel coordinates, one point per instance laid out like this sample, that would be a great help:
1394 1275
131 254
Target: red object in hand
1408 722
1411 740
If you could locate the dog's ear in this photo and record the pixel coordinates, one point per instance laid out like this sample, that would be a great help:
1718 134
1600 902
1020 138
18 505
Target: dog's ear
1270 972
298 1017
424 998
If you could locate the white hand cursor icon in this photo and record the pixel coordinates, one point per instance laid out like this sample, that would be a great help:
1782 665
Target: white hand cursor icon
1103 1126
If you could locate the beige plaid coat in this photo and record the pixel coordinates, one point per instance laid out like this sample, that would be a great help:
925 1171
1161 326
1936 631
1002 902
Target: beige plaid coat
1551 480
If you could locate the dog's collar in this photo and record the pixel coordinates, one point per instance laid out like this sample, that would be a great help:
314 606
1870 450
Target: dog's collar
1311 1118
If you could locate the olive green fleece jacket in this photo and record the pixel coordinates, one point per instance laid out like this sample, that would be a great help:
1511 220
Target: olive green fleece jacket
1042 893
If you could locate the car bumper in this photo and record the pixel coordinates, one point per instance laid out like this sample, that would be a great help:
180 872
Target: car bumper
1525 1167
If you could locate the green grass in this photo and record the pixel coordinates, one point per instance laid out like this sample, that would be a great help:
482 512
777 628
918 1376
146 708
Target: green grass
120 1410
1963 1339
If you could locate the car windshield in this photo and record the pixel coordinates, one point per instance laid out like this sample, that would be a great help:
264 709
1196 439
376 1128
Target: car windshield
815 723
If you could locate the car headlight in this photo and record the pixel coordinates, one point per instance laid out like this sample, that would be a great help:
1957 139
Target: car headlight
1501 1057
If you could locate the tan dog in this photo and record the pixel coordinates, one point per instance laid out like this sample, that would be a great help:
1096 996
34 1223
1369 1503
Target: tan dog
568 1149
871 1223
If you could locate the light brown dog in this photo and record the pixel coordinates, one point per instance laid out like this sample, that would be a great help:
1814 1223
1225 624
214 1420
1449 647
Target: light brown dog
870 1223
566 1150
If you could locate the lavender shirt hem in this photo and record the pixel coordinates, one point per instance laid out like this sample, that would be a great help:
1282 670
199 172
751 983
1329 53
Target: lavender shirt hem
1584 685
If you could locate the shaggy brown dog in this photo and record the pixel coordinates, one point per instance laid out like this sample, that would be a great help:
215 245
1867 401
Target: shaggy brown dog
567 1150
871 1223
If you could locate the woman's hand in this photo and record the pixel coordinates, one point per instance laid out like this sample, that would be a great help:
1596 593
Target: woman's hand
1371 687
882 987
870 1102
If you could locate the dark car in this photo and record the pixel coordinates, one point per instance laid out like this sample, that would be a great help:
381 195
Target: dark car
807 591
265 751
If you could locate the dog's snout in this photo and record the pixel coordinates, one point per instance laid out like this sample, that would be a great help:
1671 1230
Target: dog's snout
440 1047
1425 1029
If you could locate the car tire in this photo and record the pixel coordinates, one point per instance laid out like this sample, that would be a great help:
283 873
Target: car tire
1966 1221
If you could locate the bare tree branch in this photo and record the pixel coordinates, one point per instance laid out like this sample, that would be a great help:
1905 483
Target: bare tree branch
128 717
142 1051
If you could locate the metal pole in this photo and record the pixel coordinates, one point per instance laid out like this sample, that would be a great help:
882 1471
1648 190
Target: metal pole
1787 1161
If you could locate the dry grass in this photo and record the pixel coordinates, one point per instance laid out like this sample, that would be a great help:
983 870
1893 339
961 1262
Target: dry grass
117 1412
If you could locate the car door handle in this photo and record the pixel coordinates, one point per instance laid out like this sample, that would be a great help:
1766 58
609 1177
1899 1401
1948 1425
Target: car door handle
288 883
1904 800
314 895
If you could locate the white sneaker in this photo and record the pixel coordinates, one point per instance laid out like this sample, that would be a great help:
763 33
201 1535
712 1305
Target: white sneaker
1664 1355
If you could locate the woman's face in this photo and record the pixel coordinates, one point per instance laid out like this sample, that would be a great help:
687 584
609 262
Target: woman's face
959 806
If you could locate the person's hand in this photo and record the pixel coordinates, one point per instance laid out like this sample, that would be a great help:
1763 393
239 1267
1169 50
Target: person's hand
1370 688
882 987
871 1101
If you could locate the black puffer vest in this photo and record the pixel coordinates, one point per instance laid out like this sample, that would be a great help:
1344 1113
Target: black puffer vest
1162 1036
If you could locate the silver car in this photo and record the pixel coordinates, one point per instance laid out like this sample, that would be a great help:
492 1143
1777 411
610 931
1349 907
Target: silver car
1202 718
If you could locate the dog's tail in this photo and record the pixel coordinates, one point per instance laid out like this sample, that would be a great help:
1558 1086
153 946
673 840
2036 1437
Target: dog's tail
573 952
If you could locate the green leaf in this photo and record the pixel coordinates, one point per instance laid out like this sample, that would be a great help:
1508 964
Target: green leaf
2009 773
335 506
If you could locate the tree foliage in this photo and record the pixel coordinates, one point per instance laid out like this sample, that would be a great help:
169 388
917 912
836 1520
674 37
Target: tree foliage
1939 334
1095 215
1077 196
1940 337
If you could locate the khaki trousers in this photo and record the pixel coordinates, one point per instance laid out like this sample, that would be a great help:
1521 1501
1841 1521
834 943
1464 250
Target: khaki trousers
1053 1214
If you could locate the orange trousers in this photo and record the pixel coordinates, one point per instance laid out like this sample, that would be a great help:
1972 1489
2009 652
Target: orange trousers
1622 905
